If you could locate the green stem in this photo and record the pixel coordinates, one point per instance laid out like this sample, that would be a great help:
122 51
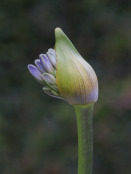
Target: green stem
85 138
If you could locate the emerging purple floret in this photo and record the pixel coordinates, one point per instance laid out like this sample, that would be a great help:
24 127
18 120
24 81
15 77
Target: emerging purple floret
35 73
51 54
45 62
45 72
39 66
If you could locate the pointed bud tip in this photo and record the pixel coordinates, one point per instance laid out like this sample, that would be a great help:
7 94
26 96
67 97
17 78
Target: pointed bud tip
59 33
57 30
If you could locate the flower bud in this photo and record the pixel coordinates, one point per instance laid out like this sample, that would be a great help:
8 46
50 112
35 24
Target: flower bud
45 73
36 73
39 66
51 54
48 78
46 63
75 78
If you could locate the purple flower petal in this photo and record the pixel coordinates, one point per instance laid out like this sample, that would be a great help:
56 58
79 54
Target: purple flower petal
39 65
52 51
35 73
46 63
52 56
49 78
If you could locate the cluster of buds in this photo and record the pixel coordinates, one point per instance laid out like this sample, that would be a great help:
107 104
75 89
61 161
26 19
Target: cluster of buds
45 72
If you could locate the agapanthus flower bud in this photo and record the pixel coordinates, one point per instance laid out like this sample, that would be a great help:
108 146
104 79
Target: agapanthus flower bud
76 80
36 73
51 54
65 74
45 73
45 62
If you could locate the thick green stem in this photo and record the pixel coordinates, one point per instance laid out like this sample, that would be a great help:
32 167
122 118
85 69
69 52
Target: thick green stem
85 138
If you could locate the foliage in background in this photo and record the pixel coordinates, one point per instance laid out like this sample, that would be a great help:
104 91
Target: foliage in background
36 136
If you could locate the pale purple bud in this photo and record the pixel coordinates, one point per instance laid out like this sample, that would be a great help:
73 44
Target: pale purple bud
52 57
52 51
39 65
49 78
46 63
35 73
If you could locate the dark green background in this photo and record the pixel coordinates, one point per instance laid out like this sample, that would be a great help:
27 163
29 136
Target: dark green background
38 134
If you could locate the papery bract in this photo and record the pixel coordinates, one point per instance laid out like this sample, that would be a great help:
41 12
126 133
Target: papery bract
76 80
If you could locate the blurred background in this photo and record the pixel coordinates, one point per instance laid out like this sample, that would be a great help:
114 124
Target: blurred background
38 134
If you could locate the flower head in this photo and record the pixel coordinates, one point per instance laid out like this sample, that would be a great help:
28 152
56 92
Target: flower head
44 71
65 74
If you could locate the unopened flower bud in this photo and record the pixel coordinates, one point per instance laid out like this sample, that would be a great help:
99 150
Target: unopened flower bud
65 74
48 78
76 79
46 63
51 54
36 73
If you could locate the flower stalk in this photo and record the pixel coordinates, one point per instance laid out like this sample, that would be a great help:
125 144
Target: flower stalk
85 138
